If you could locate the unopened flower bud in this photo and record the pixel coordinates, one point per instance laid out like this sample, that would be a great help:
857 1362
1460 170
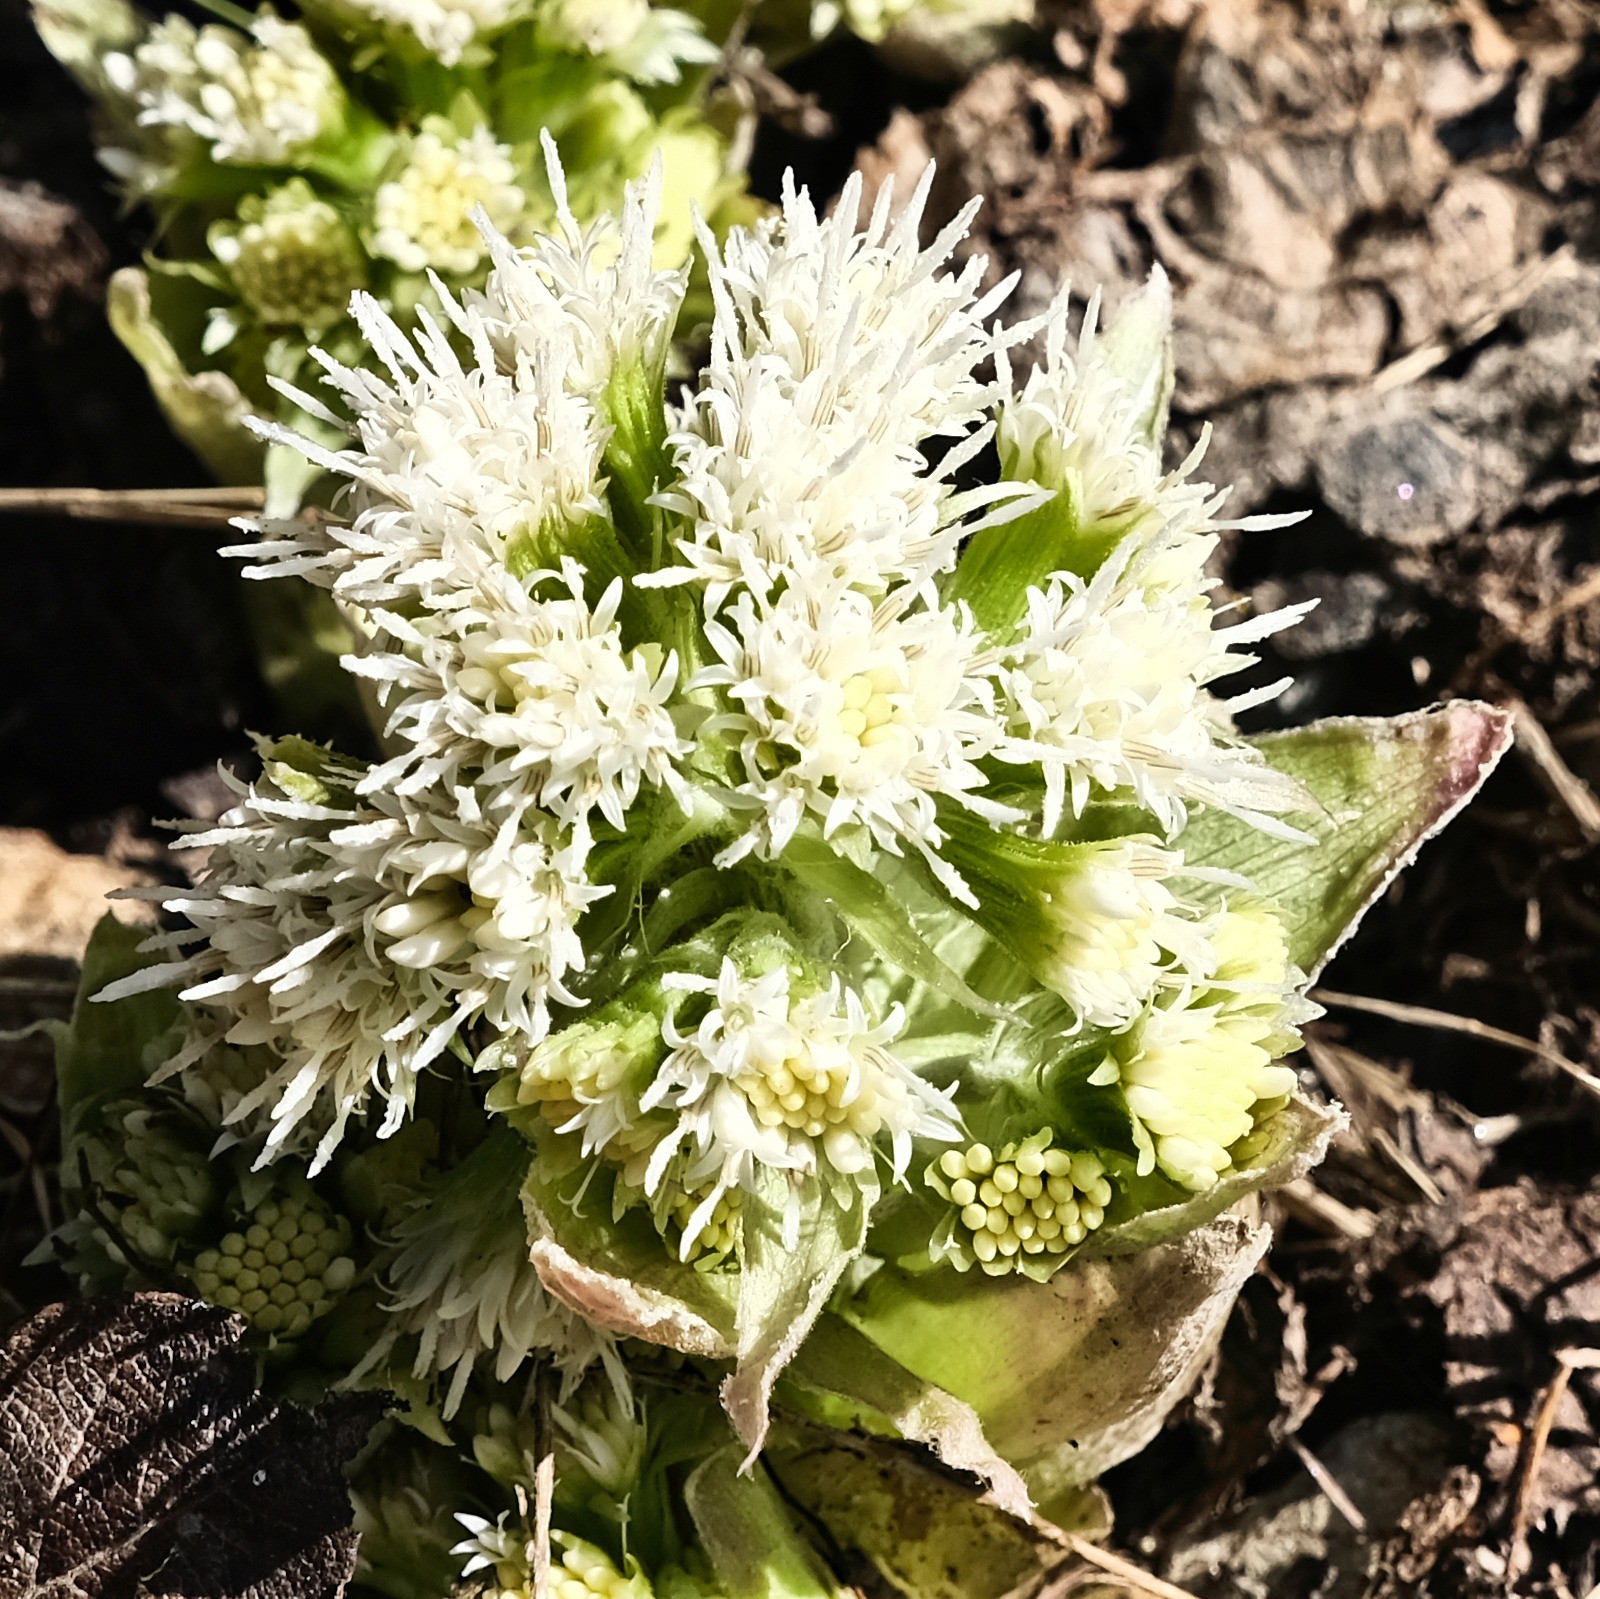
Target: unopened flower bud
293 258
282 1270
1023 1211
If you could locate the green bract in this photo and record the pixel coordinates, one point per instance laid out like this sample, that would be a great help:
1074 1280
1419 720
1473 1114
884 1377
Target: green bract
793 1029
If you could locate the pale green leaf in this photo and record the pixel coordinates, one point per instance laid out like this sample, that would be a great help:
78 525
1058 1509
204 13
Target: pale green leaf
844 1379
1284 1146
619 1273
755 1550
1386 786
102 1051
1069 1377
871 912
784 1286
205 409
928 1535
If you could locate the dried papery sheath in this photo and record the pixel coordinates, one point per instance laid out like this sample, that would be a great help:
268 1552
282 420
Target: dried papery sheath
814 919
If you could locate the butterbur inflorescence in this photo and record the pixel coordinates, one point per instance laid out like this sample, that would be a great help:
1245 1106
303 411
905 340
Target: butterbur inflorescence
806 887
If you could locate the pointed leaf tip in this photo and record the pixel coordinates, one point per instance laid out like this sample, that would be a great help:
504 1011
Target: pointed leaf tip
1386 786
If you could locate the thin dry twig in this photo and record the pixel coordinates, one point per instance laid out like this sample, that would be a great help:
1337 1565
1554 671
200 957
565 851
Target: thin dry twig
209 508
1330 1486
1447 1022
1534 745
1124 1570
1325 1214
544 1485
1567 1362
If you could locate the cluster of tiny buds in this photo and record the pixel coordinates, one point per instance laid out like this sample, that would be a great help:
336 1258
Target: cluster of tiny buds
809 1093
1031 1200
718 1235
284 1270
585 1572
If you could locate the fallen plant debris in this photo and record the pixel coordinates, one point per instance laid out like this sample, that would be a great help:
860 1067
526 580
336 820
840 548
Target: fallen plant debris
137 1457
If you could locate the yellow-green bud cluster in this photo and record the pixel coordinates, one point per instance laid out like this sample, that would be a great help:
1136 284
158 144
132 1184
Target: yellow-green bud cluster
583 1064
718 1235
285 1269
578 1568
156 1184
584 1571
293 258
1029 1204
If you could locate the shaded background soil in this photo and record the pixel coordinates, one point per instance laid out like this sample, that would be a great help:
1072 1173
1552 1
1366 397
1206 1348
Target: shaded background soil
1383 227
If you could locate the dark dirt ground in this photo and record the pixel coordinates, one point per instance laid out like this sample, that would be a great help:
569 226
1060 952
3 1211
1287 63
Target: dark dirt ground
1383 227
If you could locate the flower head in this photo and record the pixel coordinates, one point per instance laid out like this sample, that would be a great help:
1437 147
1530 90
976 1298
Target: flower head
595 288
458 1280
1106 690
145 1163
852 715
447 29
1198 1062
294 260
838 351
578 1569
259 99
283 1268
450 466
427 215
649 44
778 1076
357 938
1097 923
531 694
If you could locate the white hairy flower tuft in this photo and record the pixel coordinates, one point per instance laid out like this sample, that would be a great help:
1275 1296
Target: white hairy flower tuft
459 1281
1106 690
1097 923
427 215
447 29
451 466
357 938
535 700
258 99
596 286
776 1077
853 715
837 352
649 44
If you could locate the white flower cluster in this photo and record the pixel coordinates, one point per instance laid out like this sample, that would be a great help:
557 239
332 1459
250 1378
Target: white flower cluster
1203 1056
260 98
770 634
356 936
773 1074
423 218
648 44
458 1282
